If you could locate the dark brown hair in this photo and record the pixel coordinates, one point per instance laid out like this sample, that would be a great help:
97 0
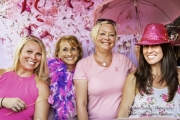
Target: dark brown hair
169 72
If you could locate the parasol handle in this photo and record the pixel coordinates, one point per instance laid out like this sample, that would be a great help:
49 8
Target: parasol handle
137 16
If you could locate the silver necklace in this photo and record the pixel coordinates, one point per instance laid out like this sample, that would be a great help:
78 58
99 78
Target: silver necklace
104 64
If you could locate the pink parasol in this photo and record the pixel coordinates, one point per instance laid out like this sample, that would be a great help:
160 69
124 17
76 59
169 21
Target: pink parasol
133 15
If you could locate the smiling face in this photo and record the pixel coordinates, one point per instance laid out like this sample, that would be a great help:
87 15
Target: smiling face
69 54
153 54
30 56
106 37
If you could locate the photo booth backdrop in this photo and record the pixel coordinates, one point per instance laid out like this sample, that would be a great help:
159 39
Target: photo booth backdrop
49 20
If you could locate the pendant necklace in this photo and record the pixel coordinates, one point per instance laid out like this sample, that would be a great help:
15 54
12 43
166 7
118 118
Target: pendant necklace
104 64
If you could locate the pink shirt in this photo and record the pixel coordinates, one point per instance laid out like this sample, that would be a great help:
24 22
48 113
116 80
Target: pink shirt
25 89
104 85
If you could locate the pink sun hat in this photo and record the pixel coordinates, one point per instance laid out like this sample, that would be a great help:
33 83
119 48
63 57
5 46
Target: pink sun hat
154 33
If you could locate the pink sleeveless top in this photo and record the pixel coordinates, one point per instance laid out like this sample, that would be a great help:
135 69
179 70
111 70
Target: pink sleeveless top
12 86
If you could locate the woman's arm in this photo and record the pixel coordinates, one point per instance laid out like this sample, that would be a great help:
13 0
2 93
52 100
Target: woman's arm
178 70
128 96
81 99
42 106
2 71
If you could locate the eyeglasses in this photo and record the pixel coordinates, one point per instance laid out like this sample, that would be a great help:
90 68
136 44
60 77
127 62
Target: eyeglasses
103 19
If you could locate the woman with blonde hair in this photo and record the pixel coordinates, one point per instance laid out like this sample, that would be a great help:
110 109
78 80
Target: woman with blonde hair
99 78
24 90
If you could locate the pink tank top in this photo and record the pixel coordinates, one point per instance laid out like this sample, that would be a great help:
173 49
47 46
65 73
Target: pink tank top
12 86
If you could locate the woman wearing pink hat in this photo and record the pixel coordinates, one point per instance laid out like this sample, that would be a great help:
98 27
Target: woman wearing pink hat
153 89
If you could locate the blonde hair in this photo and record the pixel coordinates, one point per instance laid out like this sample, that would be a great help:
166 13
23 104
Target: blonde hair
73 41
41 71
95 29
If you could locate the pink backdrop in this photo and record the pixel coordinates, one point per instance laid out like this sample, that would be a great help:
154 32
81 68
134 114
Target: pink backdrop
49 20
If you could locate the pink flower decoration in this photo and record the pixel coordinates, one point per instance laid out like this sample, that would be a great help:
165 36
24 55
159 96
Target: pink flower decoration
148 99
43 11
170 105
148 114
162 112
54 10
77 7
10 14
2 39
49 21
164 97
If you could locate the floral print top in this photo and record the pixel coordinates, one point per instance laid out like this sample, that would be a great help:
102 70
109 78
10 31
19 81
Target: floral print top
62 97
155 105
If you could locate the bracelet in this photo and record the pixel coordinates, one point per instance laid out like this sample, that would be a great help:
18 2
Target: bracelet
2 101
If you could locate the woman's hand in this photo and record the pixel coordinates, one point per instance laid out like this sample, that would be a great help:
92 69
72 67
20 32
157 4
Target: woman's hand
15 104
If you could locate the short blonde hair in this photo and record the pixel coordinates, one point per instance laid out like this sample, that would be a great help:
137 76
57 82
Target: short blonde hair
73 41
41 71
95 29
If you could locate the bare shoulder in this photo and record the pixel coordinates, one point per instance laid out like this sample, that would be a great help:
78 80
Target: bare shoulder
178 70
131 74
2 71
130 81
43 87
131 77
